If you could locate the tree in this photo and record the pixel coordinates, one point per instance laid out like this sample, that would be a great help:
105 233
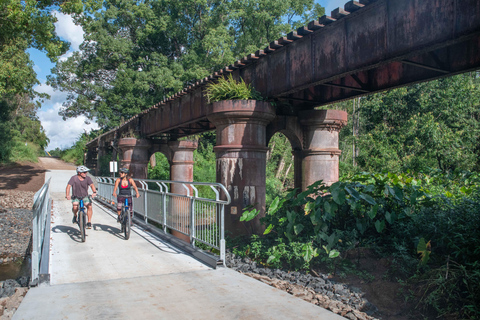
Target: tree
26 24
428 125
137 53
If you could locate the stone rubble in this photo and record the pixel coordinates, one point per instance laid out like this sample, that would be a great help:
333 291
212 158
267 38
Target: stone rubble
12 293
336 297
15 237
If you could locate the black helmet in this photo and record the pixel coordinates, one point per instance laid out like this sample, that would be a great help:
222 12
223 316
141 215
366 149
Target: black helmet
124 170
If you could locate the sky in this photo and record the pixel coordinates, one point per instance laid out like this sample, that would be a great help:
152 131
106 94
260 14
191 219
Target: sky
63 134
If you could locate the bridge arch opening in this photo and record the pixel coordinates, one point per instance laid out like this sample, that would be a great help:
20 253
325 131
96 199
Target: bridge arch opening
158 167
280 164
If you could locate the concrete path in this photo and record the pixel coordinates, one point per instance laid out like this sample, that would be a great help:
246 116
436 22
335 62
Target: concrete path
108 277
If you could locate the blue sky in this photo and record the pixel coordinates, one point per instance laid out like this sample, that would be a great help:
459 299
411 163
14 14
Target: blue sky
63 134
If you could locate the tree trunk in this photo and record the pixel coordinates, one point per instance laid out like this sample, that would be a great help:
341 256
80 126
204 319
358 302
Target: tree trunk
286 173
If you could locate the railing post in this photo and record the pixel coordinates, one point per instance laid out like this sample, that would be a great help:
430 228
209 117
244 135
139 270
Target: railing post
35 241
192 215
164 197
222 233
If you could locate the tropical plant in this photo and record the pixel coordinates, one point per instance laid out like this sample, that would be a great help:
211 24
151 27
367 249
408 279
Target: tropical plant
230 89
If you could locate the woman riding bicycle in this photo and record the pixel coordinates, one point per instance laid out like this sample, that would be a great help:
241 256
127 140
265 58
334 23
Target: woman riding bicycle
124 184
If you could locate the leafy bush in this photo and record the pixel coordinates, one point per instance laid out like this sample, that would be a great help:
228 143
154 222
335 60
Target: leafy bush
230 89
428 226
161 171
76 153
25 151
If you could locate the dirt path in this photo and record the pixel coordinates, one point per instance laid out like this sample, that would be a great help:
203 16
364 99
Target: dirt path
29 176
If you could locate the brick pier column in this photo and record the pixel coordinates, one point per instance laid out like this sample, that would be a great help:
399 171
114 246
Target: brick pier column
320 154
241 157
135 156
181 169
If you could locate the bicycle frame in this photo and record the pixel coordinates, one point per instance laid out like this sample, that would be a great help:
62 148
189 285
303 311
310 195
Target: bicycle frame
82 217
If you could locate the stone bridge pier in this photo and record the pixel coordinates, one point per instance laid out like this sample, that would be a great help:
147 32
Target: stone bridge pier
243 129
320 153
135 156
241 157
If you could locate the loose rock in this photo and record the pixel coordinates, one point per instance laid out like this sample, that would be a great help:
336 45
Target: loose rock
336 297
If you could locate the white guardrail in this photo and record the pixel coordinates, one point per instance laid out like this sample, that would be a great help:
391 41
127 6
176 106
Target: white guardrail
197 216
41 235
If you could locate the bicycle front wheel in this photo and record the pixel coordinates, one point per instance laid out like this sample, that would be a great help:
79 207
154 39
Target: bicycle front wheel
82 225
127 221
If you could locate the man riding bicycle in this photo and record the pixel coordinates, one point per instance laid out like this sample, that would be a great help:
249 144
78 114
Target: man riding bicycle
79 185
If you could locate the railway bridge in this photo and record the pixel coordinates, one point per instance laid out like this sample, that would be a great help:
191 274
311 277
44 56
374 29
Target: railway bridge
366 47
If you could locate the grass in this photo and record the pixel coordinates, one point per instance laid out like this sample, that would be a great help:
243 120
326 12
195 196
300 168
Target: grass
25 151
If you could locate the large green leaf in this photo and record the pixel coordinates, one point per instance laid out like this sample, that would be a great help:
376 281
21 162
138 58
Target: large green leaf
269 229
249 215
309 252
372 213
354 193
388 217
333 254
338 196
361 226
274 206
368 198
379 225
309 207
424 249
298 228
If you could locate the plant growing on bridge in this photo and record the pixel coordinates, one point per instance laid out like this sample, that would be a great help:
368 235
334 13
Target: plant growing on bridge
231 89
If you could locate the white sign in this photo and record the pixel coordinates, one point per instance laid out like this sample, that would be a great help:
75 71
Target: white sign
113 166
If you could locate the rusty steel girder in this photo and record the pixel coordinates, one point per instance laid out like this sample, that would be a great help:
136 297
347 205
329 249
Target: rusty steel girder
367 47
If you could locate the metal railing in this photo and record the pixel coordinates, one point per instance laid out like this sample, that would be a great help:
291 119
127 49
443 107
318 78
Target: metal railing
41 235
199 217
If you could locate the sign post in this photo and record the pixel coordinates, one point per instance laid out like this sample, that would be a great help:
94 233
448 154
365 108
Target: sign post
113 167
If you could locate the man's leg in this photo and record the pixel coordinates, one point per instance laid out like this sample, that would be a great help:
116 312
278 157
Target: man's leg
74 210
89 212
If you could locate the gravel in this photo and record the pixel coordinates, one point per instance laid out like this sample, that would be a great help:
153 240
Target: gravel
15 224
339 298
15 237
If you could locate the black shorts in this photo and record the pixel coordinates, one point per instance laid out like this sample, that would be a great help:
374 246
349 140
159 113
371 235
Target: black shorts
121 201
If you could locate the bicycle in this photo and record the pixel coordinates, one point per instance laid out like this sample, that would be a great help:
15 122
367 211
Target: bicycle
126 219
82 220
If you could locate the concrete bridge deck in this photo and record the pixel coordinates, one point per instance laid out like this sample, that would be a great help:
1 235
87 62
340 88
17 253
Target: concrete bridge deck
108 277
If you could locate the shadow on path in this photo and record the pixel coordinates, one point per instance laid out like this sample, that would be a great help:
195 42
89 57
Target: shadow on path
73 233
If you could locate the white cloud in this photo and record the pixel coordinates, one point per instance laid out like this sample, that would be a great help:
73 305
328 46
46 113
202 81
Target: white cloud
66 29
55 96
62 134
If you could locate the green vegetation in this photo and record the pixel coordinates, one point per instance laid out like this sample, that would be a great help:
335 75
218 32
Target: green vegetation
429 231
410 160
136 54
26 24
419 210
432 125
21 135
230 89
